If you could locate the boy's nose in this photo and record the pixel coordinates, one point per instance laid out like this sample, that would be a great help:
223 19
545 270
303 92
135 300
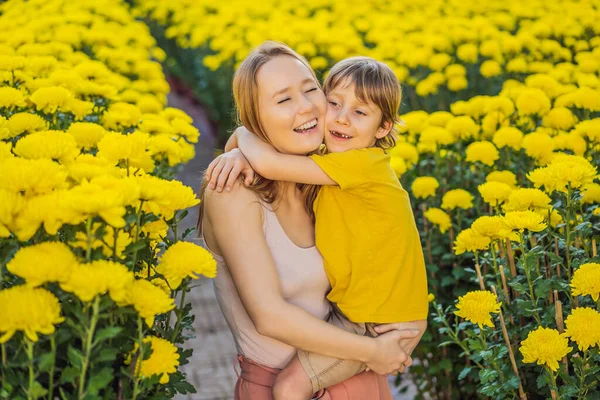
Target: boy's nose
341 118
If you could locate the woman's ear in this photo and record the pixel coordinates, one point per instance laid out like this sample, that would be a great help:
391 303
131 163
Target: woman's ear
385 128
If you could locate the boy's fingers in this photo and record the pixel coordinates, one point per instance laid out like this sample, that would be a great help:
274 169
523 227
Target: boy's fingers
233 175
249 174
215 173
210 168
223 175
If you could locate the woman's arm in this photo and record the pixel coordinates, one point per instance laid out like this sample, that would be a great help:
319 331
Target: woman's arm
232 143
236 222
277 166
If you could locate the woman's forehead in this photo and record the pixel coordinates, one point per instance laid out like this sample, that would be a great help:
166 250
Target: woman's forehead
282 72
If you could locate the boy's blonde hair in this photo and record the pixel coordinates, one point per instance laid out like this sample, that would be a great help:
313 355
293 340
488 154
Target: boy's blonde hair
375 82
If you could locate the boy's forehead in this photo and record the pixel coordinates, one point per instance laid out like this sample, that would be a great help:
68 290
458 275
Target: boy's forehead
347 86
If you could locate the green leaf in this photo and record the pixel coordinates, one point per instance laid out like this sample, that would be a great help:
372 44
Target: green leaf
46 361
107 354
75 357
99 380
37 390
107 333
68 375
465 371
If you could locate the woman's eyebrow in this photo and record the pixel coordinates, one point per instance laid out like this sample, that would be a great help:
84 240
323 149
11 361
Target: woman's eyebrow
281 91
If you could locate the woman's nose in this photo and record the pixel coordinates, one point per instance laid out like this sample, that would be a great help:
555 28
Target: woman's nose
306 105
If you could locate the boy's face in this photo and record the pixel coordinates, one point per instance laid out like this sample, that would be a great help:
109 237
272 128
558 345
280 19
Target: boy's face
350 123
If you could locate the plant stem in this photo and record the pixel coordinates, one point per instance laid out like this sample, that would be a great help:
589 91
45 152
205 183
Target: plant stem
138 363
568 234
528 275
137 233
582 393
553 391
30 367
454 336
51 373
177 313
88 347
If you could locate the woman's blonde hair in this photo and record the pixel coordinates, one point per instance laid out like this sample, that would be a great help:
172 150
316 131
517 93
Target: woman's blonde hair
375 82
245 95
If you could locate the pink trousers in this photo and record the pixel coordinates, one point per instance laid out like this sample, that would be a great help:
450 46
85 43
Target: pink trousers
255 382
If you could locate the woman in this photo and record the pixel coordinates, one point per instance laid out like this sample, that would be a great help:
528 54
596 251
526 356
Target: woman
271 284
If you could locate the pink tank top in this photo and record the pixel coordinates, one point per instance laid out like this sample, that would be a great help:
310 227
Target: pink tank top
303 283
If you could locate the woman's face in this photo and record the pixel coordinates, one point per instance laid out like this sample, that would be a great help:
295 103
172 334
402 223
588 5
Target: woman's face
291 105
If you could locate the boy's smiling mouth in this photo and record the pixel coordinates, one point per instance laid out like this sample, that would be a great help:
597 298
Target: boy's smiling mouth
339 135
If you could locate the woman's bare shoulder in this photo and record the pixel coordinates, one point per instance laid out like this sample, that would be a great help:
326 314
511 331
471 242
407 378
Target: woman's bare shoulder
238 199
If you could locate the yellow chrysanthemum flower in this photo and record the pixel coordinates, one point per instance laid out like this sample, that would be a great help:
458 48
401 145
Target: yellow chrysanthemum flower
477 306
438 217
86 134
523 199
50 99
539 146
560 118
407 152
508 136
590 193
521 220
55 145
121 115
532 101
31 177
44 262
27 309
586 281
469 240
583 327
99 277
545 346
132 149
502 176
491 226
494 193
183 260
463 127
564 171
398 165
24 123
490 68
11 97
163 360
436 136
457 198
424 187
485 152
149 300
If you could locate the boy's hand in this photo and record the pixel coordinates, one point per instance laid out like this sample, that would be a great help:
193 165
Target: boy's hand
224 170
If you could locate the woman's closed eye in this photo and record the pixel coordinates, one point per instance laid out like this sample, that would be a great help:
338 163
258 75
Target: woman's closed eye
311 90
284 100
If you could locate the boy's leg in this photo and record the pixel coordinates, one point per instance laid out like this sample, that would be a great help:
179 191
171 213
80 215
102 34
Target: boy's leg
292 383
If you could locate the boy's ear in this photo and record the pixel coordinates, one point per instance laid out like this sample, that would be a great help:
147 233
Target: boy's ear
384 129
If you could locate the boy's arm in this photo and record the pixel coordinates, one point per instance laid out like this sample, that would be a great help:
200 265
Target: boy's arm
232 142
277 166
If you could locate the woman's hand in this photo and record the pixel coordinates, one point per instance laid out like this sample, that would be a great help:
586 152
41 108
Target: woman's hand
389 357
224 170
407 344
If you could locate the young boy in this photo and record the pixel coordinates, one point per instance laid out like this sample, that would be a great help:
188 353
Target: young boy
365 228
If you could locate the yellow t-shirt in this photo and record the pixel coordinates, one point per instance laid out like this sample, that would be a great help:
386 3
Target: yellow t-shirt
366 232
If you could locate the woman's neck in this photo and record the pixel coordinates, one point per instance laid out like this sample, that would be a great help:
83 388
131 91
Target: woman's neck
288 192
